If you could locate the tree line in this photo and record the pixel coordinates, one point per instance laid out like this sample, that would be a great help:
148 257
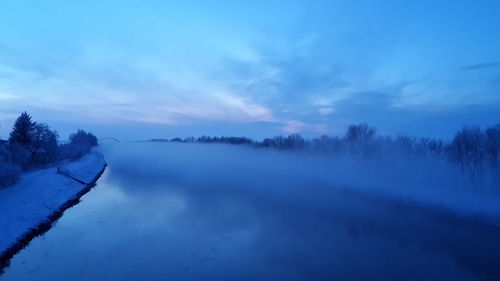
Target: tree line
32 145
473 150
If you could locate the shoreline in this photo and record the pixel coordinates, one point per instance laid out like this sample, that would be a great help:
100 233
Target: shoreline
44 226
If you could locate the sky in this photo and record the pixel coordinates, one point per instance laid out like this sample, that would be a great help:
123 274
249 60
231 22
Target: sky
152 69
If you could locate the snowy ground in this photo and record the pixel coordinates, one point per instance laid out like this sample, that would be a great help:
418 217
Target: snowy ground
40 194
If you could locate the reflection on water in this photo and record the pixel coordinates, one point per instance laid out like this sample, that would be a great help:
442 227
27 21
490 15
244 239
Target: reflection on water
168 213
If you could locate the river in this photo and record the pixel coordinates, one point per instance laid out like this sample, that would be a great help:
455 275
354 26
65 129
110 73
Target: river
201 212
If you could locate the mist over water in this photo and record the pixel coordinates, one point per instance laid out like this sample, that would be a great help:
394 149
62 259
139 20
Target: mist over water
303 177
170 211
321 140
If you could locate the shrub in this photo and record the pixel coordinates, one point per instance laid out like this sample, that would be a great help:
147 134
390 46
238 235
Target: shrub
20 155
9 173
44 147
80 143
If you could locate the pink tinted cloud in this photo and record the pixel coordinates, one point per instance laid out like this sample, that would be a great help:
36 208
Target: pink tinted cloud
294 126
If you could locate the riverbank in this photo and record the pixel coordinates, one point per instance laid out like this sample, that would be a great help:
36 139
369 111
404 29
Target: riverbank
30 207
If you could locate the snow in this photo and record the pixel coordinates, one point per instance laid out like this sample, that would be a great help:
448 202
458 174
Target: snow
40 194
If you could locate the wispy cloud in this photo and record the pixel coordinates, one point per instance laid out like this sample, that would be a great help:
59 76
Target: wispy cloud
312 67
479 66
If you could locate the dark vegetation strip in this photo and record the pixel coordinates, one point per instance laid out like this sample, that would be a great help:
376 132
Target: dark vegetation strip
33 145
46 225
473 151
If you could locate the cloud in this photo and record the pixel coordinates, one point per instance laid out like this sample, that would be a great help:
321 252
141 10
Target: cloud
495 64
294 126
5 97
328 63
130 90
326 110
378 110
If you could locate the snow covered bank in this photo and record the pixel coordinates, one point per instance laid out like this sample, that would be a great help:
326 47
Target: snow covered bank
29 207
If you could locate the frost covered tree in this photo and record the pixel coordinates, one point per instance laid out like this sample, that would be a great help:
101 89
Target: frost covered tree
493 145
22 130
294 141
44 146
328 144
468 149
361 139
34 145
83 138
360 133
79 144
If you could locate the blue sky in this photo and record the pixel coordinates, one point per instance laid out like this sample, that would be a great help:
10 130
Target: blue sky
141 69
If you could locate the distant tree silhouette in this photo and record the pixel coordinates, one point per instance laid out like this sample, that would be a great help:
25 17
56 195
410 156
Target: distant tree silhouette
22 130
473 150
361 139
206 139
493 145
33 139
44 146
80 143
468 149
294 141
328 143
360 133
82 137
227 140
34 145
430 146
405 144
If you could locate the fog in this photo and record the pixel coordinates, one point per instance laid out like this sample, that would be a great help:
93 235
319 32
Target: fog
299 215
306 178
185 211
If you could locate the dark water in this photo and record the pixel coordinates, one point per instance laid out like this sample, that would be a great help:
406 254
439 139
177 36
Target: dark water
145 220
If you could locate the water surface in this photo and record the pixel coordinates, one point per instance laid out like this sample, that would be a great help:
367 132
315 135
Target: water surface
202 212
